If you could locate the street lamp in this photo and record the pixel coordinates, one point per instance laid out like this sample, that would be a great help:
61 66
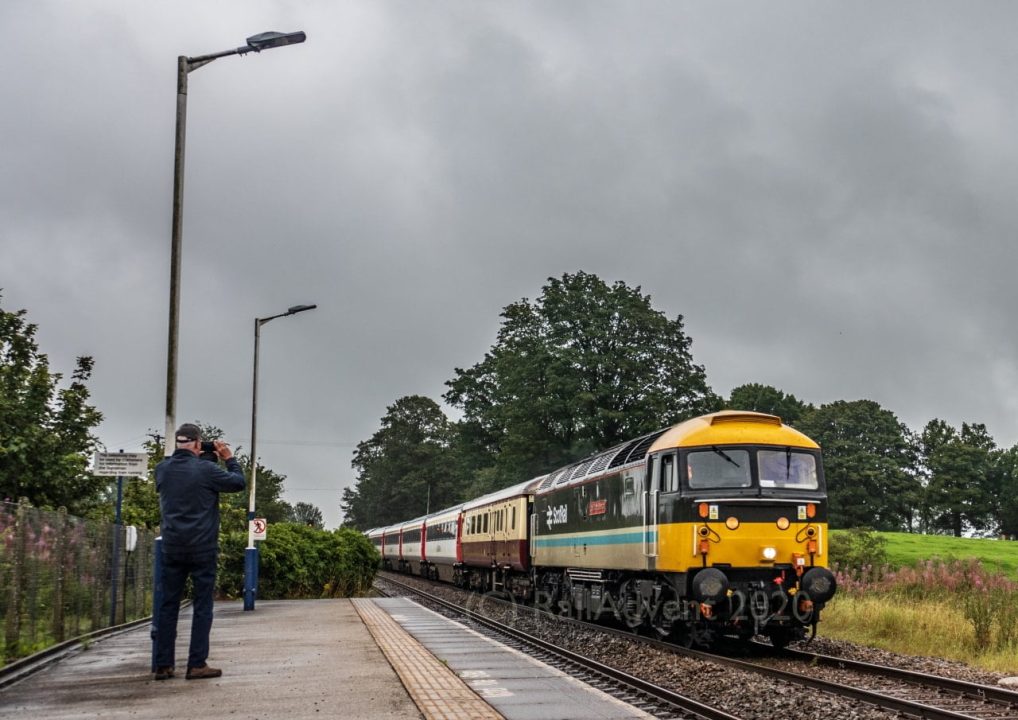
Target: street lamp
255 43
251 553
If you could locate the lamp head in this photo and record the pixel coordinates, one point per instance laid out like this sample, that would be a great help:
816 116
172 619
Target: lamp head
271 39
299 308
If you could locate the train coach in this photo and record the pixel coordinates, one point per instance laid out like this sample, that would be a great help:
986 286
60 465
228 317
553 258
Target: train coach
442 552
411 546
714 527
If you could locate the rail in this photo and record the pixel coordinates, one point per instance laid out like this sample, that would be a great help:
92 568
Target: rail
626 683
911 708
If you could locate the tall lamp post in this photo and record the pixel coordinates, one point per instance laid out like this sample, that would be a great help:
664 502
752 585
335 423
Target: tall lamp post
251 553
255 43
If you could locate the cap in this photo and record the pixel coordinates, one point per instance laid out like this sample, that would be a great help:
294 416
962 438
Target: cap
188 432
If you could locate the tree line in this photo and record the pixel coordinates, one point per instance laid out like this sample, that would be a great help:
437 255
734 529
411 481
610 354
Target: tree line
589 364
47 438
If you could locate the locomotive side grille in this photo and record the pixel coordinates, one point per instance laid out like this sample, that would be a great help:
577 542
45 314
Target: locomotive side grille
584 575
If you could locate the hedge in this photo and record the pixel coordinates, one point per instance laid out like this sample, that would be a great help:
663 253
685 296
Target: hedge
297 561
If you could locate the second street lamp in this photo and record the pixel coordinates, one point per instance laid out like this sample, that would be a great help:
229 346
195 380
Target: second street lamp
251 553
255 43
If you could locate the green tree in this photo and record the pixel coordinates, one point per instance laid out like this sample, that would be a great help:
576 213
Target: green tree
141 501
585 366
961 477
308 514
46 432
406 468
1006 510
767 399
869 462
269 503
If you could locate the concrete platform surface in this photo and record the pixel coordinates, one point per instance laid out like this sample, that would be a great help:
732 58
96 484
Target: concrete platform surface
291 659
517 686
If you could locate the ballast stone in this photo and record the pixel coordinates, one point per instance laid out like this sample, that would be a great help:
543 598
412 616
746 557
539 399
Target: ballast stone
1009 682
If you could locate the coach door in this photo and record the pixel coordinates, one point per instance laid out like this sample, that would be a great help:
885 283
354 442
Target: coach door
650 503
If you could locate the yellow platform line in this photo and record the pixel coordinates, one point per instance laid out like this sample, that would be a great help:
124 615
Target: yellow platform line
438 692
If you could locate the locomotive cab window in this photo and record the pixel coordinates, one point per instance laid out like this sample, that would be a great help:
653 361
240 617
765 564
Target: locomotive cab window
787 469
718 468
669 477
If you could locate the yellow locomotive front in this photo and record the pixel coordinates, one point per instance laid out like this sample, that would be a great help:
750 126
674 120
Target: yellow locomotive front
738 516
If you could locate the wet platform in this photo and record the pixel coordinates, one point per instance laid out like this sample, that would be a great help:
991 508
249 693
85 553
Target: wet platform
516 685
371 659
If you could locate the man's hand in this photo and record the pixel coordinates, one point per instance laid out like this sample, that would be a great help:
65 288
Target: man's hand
222 450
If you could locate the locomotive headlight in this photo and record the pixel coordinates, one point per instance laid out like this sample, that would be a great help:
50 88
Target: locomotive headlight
710 585
819 583
769 553
783 523
732 523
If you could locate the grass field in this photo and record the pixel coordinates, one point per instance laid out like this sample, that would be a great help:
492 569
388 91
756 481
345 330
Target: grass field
910 548
933 611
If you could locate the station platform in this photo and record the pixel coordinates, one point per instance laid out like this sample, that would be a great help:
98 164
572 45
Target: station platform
370 658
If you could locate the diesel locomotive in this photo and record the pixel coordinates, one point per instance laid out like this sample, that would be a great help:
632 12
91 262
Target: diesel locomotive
713 527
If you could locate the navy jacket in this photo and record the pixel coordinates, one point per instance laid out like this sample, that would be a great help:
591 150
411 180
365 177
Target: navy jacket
189 490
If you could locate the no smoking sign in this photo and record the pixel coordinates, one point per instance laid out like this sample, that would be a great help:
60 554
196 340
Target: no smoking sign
259 527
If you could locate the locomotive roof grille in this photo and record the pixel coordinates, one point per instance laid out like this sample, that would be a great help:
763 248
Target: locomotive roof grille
560 477
623 453
580 470
600 462
640 446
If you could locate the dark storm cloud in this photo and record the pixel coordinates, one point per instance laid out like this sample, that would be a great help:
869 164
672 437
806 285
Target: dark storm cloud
824 191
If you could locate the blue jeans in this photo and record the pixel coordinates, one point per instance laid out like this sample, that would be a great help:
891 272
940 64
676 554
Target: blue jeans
177 566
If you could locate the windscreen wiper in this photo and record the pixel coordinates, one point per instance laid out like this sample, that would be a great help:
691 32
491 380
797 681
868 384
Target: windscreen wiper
726 457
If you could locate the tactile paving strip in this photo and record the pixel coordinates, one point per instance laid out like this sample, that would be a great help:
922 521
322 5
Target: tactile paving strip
437 691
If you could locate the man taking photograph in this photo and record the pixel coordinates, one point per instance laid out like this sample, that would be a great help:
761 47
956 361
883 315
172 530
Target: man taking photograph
189 488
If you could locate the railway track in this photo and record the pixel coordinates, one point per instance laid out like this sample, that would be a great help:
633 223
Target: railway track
652 699
891 689
967 698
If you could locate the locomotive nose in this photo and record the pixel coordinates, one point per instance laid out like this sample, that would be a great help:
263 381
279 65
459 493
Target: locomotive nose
819 583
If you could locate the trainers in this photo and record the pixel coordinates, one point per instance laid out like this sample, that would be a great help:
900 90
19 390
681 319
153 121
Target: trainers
200 673
164 673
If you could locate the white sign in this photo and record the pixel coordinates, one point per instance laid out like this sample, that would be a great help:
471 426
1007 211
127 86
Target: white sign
130 538
121 464
259 527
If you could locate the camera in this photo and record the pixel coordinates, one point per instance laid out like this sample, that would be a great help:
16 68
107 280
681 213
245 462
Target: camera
208 451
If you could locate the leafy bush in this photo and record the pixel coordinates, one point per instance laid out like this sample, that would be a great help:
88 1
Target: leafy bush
857 548
297 561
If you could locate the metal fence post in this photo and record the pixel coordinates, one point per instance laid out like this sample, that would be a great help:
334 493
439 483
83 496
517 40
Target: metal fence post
12 626
59 575
115 566
157 592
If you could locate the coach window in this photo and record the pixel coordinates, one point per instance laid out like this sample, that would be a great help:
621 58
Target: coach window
484 527
512 526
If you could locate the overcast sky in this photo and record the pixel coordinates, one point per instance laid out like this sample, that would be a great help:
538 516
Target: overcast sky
825 191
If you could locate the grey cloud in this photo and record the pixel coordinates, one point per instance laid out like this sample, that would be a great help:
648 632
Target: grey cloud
824 191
